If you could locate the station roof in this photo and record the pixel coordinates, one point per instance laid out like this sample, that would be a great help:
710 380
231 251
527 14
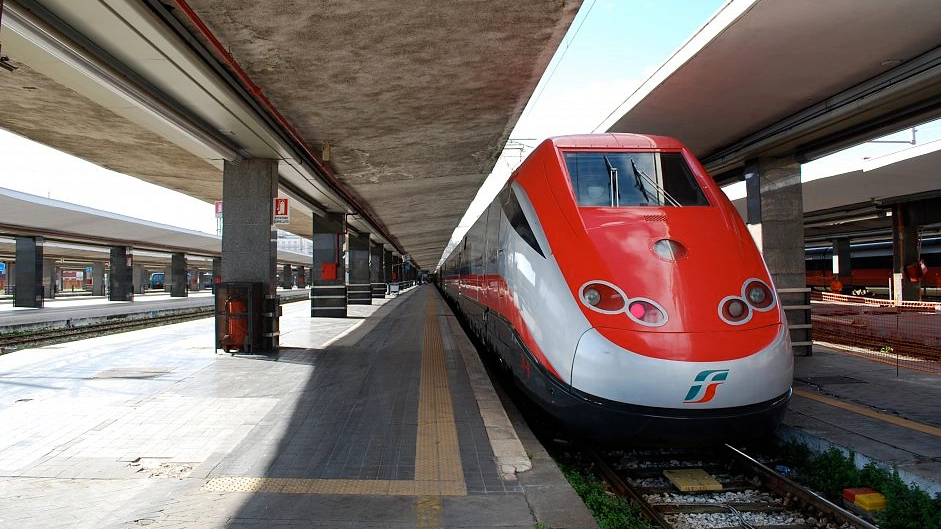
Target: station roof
82 234
858 200
799 78
393 111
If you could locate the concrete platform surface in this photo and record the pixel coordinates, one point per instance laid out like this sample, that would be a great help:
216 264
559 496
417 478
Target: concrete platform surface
879 412
382 419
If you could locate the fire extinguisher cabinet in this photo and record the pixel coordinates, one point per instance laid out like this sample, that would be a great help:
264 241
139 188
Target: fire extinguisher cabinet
239 318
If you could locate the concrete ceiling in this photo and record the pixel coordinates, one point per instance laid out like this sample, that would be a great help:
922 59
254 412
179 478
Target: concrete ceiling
415 98
793 78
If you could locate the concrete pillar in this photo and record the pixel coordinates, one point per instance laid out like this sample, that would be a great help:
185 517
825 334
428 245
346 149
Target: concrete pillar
138 278
842 266
375 270
120 285
905 252
29 277
167 277
177 277
408 271
250 240
98 279
193 276
327 276
216 271
775 215
387 268
359 290
287 276
50 283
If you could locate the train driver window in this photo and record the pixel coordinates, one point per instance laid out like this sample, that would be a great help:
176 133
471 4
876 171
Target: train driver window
590 180
632 179
679 182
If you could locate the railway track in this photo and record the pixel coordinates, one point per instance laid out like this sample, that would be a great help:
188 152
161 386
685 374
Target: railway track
751 495
37 338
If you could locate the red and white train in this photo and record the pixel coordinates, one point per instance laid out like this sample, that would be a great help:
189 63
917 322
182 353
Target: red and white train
621 287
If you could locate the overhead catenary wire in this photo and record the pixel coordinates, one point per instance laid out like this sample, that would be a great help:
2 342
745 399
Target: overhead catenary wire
546 79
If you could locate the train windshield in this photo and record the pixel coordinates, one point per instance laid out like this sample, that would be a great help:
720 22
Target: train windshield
631 179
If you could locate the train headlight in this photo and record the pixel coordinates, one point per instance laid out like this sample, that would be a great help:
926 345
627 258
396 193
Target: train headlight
734 311
592 296
669 250
758 294
607 298
602 297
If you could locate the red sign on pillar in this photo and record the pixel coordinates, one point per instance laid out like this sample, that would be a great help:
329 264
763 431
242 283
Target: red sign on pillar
282 213
218 209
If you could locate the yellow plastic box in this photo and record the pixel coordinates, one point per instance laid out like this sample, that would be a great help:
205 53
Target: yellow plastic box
872 501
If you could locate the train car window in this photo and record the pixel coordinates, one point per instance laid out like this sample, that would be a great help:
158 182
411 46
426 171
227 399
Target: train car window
513 212
631 179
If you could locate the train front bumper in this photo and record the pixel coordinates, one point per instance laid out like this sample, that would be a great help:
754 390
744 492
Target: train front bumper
662 398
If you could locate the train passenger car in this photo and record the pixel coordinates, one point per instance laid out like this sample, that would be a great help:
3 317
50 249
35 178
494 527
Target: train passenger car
156 280
621 288
871 268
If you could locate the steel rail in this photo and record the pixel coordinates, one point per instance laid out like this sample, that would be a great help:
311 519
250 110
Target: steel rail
767 479
783 485
624 490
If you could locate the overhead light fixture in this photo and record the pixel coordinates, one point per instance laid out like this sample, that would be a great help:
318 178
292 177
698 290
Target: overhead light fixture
5 63
841 221
49 40
4 60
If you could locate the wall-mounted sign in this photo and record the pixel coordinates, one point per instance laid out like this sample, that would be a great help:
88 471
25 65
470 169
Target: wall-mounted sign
282 214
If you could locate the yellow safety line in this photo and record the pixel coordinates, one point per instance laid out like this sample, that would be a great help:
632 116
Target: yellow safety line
438 470
437 455
885 417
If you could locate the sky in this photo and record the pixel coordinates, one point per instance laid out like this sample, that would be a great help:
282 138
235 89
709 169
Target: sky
611 47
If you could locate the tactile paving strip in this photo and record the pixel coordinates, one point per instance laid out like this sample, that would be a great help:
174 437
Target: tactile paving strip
335 486
438 470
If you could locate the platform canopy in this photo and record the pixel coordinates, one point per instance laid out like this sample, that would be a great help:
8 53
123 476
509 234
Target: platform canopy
798 78
80 234
392 111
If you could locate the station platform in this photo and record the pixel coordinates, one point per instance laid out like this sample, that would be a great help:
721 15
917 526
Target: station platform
382 419
882 413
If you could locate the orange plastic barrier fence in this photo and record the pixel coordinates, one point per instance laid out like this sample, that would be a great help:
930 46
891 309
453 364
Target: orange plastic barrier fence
905 334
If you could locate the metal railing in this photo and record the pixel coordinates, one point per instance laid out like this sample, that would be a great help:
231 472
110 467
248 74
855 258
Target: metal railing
796 305
905 334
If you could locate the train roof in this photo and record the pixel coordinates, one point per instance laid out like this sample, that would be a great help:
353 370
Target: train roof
622 140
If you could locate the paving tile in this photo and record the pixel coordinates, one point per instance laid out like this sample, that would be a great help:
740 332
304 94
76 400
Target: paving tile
346 411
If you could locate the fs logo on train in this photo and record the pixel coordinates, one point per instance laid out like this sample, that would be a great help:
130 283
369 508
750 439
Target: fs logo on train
705 385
